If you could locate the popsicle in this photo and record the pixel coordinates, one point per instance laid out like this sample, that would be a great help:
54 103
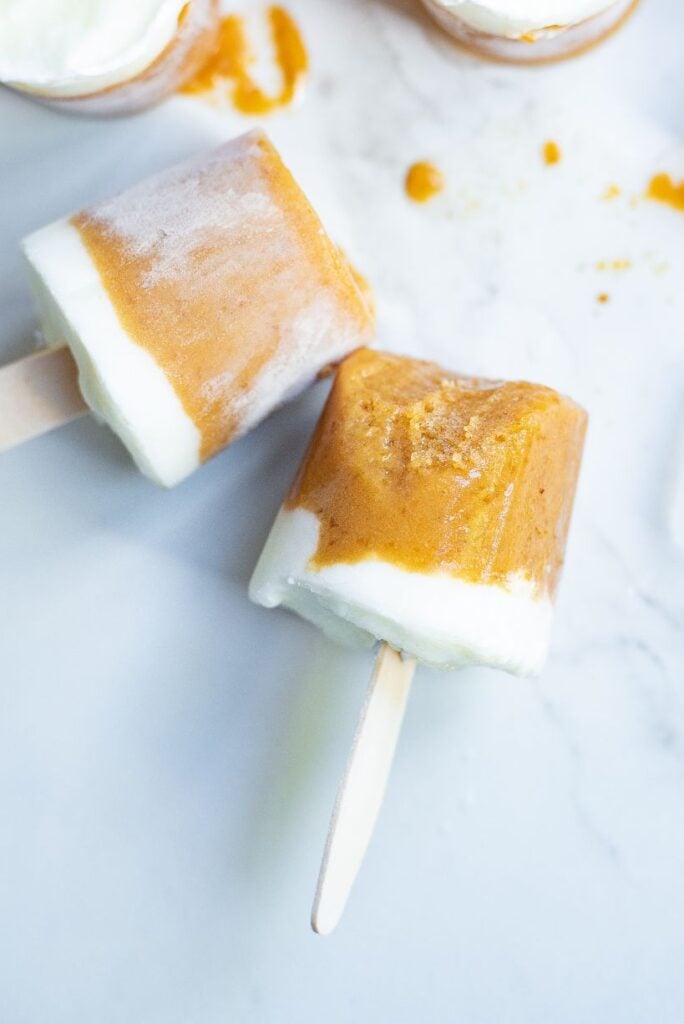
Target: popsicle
193 304
100 58
430 513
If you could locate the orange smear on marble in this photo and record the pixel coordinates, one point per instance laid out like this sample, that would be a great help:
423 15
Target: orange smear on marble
663 189
551 153
423 181
230 62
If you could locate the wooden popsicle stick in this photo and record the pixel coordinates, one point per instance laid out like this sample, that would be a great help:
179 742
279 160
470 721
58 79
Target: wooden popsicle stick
363 785
38 393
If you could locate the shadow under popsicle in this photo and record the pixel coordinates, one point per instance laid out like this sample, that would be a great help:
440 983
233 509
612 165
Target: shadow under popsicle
321 692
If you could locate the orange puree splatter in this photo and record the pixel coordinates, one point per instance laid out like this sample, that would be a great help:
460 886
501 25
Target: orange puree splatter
551 152
423 181
230 62
435 472
663 189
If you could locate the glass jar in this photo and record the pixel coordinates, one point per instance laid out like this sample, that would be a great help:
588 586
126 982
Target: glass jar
529 31
156 66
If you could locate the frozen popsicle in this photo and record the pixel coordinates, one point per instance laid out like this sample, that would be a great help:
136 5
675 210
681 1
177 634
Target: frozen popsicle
194 303
99 58
430 513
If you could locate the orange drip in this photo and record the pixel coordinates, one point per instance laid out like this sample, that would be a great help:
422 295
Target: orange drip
663 189
230 62
423 181
551 153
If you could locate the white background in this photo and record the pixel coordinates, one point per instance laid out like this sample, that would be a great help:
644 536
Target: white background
169 754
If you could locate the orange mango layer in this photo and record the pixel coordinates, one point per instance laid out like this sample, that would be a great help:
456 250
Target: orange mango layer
432 471
220 268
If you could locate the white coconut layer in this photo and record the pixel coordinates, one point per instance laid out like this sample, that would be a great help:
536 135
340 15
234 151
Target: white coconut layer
120 380
440 619
514 18
63 48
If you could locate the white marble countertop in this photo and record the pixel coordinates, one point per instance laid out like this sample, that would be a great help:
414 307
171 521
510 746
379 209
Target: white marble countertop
169 753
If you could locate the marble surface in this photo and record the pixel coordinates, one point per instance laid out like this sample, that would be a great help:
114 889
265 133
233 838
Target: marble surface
169 753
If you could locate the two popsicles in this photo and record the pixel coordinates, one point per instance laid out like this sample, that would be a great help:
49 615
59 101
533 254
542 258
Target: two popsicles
431 510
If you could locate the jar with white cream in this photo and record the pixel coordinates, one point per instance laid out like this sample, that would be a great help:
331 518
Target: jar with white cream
529 31
102 57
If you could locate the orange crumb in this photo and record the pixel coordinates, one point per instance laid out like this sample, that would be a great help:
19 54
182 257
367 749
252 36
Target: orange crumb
551 152
614 264
603 297
664 190
423 181
611 192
